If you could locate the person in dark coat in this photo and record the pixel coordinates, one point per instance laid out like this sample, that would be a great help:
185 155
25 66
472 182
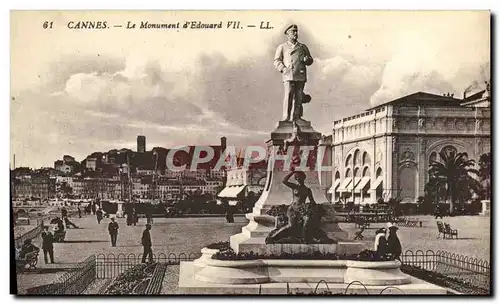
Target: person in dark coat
28 248
380 242
146 244
135 217
79 212
64 212
393 243
47 244
113 231
93 208
98 215
438 212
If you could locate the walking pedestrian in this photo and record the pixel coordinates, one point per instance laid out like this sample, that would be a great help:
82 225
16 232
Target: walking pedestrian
135 217
98 214
48 244
113 231
146 244
79 212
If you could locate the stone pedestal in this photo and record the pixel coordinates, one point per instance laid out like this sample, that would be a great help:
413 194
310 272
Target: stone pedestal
292 276
253 236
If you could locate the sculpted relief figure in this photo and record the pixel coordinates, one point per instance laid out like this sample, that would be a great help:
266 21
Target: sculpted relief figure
302 218
291 60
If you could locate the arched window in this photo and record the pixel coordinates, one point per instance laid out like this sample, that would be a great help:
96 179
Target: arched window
449 150
348 161
432 157
356 158
366 171
337 175
348 173
379 172
366 159
357 172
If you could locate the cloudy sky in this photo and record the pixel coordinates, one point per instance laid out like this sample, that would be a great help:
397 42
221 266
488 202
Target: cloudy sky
79 91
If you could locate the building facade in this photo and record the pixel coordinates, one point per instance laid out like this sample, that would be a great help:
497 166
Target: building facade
386 151
141 143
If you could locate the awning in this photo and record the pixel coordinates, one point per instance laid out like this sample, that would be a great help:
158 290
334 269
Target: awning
224 192
345 183
362 184
231 192
336 183
378 181
353 185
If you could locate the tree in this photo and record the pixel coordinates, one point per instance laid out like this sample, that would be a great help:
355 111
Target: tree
485 174
453 175
64 189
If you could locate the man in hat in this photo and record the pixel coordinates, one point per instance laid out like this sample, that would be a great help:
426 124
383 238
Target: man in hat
48 245
290 60
393 243
147 244
113 231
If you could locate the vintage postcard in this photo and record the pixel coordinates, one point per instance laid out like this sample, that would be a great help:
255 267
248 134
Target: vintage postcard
250 152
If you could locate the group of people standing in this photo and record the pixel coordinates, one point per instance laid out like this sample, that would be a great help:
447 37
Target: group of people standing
387 244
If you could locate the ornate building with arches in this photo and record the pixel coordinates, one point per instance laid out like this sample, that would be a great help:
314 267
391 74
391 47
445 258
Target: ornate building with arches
386 151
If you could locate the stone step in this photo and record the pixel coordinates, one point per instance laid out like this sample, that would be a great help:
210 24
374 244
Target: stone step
258 232
189 285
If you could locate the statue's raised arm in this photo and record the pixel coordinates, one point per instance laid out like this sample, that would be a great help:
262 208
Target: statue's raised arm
286 180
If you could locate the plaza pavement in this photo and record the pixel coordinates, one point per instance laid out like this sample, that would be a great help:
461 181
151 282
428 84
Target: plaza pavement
189 235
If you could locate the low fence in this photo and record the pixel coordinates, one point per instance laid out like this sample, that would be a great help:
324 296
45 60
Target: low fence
474 272
111 265
469 270
71 283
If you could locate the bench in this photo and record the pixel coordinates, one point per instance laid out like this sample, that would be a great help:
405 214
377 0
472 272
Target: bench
29 261
449 231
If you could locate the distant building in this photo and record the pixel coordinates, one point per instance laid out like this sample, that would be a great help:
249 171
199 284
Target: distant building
91 163
385 151
240 181
68 159
141 143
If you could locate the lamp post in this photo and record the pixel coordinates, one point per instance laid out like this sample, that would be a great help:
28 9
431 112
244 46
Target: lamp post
353 176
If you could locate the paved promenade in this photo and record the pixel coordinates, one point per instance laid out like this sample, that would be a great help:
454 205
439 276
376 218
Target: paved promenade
189 235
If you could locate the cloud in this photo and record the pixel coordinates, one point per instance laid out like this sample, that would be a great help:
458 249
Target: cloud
94 108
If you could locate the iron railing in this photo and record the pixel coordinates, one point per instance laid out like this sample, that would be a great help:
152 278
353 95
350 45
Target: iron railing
72 282
111 265
472 271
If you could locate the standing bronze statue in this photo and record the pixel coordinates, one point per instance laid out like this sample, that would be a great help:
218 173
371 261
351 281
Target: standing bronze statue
291 60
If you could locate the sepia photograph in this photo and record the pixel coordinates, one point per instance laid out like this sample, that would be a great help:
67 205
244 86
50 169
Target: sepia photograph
250 152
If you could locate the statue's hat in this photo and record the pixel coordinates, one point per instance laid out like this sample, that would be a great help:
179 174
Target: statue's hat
293 26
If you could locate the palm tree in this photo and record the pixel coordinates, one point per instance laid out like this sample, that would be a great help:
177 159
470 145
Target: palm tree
453 173
485 173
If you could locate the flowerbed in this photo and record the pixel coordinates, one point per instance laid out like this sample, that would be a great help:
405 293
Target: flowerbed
226 253
443 280
126 282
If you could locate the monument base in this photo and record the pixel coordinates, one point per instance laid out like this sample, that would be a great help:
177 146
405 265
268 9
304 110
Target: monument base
291 279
